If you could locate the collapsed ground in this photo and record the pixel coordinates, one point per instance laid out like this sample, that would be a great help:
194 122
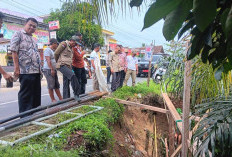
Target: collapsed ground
117 130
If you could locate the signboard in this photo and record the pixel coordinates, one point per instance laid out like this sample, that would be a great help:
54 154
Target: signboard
112 46
53 34
148 53
8 30
53 25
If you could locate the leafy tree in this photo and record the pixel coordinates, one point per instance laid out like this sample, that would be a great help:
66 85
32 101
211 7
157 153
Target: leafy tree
210 22
77 18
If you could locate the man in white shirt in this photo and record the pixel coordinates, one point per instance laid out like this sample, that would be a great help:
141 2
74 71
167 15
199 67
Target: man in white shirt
132 68
93 56
50 72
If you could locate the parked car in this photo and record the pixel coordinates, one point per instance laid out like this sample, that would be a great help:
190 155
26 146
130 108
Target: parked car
143 65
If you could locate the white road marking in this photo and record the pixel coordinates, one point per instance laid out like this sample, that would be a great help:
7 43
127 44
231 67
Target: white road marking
17 100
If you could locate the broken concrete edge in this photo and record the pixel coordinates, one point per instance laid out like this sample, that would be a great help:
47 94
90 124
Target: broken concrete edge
49 126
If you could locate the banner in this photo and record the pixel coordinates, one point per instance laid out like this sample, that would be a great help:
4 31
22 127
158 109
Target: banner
148 53
53 34
53 25
8 30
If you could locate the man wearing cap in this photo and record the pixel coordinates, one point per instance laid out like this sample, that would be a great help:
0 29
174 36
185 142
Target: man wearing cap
78 66
63 56
132 68
50 72
7 76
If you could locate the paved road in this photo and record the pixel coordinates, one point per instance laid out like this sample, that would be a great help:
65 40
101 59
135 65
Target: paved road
9 97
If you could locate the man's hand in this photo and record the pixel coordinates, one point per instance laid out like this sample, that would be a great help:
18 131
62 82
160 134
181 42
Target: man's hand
8 77
125 70
16 72
137 72
111 69
53 72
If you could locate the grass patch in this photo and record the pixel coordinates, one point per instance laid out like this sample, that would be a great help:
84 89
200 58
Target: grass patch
97 135
21 132
96 127
84 109
140 88
60 117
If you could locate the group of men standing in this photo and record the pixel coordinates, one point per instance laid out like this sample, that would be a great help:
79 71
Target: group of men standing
121 66
66 57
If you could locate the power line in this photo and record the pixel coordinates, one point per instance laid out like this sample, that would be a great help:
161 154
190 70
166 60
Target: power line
138 35
18 7
26 6
131 35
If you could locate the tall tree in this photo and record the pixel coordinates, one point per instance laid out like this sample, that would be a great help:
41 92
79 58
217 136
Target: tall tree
75 18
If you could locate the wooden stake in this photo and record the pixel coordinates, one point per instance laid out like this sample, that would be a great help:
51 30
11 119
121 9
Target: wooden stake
171 134
177 151
172 109
156 150
166 146
147 140
142 106
186 108
149 74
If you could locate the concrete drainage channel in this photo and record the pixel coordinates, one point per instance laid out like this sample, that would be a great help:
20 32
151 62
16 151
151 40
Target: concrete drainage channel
44 119
48 127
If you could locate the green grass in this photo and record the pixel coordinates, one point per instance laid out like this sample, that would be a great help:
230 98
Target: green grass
84 109
96 126
140 88
60 117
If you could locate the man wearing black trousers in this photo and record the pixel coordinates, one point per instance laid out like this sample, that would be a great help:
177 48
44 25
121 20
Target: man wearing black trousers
78 66
108 67
27 66
122 62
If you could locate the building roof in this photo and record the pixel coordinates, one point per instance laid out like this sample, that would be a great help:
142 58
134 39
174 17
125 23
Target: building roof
112 41
14 13
158 49
107 32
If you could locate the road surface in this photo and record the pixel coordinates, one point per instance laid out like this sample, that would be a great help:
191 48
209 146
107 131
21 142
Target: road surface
9 96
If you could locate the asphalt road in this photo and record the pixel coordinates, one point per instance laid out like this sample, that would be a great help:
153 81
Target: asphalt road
9 96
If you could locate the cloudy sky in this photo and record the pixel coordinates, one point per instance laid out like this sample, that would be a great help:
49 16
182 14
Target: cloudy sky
127 27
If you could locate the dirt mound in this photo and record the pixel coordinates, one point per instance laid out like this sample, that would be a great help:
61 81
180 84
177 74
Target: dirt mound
152 100
130 133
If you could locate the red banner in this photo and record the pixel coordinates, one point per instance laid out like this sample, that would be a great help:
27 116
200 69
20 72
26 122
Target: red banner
53 25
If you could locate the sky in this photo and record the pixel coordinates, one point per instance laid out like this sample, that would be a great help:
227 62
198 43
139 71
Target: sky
127 27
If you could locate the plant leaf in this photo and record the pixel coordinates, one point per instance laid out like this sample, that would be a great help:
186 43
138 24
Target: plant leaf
205 53
186 27
135 3
175 19
223 19
204 12
218 73
158 10
228 25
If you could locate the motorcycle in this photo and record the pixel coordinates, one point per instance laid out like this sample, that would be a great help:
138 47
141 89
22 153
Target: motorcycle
158 74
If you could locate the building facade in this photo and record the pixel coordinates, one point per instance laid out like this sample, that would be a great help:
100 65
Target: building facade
15 21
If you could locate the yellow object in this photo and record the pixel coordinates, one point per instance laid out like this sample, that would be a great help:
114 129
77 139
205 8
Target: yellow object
3 61
155 136
107 32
